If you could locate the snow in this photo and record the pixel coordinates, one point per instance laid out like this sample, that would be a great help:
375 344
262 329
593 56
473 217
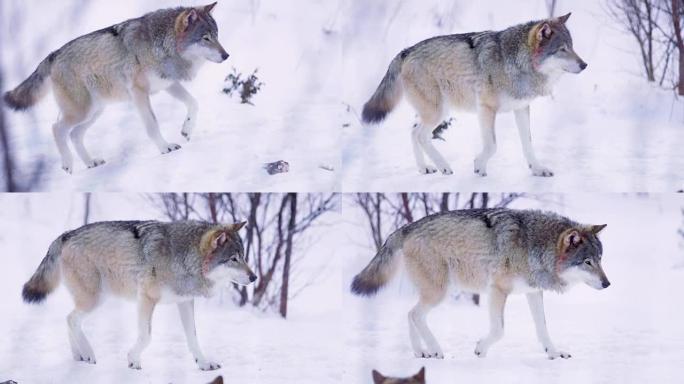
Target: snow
604 130
252 346
629 333
297 54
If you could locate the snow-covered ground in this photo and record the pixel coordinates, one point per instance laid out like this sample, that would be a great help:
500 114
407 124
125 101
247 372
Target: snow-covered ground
628 333
296 116
253 347
605 129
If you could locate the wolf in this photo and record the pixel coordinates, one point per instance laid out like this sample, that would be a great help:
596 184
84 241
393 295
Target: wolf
148 261
129 61
482 72
418 378
495 251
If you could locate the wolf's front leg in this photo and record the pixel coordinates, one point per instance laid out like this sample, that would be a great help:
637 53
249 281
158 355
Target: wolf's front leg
536 303
497 302
141 99
145 309
187 315
522 120
487 118
180 93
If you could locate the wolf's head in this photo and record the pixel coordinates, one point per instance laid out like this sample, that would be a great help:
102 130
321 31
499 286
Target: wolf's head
197 35
579 257
553 52
224 256
418 378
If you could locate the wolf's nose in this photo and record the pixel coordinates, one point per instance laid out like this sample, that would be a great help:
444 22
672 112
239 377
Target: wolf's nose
252 278
225 56
605 284
583 66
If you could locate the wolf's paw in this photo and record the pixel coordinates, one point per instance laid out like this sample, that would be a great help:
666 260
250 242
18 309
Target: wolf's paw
447 171
134 365
553 354
68 169
541 171
95 163
481 171
85 358
207 365
427 170
480 350
171 148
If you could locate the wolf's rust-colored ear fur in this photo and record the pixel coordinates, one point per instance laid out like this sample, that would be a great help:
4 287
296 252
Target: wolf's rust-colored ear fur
378 378
210 7
569 238
185 19
420 376
563 19
235 227
211 240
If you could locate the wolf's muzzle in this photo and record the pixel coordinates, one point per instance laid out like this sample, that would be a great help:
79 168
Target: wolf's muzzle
225 56
583 66
252 277
605 284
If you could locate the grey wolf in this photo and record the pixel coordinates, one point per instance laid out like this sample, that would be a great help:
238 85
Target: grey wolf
495 251
127 61
148 261
482 72
418 378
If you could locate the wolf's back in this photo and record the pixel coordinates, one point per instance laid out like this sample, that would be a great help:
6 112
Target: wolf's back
28 93
381 268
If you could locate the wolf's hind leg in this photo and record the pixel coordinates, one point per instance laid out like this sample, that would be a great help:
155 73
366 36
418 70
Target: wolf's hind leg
77 136
522 120
180 93
141 99
187 315
145 309
497 302
536 302
432 290
423 167
61 130
487 118
86 301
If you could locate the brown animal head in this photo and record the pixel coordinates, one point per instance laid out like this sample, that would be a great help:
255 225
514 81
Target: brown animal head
418 378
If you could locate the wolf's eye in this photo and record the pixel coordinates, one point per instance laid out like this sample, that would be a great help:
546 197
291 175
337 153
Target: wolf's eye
206 38
587 262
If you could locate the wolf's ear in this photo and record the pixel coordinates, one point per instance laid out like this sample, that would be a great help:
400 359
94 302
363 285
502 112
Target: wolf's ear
420 376
563 19
218 240
570 238
595 229
210 7
185 19
544 31
378 378
235 227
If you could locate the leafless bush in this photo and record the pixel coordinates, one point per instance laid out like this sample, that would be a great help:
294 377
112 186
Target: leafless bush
656 28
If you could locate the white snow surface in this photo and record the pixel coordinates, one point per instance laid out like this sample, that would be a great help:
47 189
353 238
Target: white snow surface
628 333
295 116
252 346
605 129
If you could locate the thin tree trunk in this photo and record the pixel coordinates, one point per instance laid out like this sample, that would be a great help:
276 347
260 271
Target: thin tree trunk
285 284
444 205
7 162
86 211
407 209
677 24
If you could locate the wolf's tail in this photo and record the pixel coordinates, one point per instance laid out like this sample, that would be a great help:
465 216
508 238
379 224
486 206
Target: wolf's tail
33 89
387 96
381 269
46 277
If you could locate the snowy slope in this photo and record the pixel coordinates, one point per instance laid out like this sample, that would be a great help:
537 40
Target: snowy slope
296 116
628 333
605 129
253 347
